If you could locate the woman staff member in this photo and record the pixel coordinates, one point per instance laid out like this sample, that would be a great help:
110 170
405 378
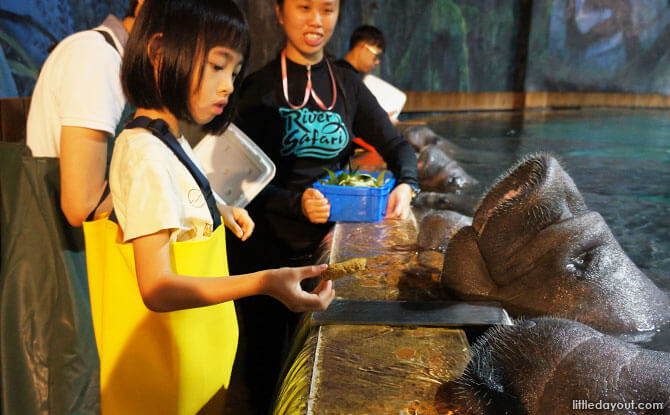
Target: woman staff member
303 111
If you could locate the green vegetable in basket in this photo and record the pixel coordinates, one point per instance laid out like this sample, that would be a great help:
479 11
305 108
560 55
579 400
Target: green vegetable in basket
354 179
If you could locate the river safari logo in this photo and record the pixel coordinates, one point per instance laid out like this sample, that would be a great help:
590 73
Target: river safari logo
319 134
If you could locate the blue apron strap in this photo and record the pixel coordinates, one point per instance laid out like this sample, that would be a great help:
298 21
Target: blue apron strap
105 192
160 129
108 39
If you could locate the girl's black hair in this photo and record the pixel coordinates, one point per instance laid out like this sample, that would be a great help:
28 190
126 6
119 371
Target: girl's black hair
189 28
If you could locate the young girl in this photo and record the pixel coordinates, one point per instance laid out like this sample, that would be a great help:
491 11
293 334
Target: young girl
303 111
182 62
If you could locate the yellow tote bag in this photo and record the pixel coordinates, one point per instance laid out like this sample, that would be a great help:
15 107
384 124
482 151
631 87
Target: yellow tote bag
157 363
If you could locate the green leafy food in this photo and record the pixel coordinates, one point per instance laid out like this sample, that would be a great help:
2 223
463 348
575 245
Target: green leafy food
380 179
354 179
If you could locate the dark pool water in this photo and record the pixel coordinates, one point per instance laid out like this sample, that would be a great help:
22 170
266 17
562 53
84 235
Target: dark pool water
619 159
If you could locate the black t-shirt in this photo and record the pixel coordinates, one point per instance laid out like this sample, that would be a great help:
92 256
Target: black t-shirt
343 63
303 142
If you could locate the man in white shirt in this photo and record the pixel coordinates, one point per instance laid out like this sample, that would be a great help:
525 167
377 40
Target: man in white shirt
75 108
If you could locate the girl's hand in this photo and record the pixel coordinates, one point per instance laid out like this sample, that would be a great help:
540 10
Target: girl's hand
237 220
398 202
284 285
315 206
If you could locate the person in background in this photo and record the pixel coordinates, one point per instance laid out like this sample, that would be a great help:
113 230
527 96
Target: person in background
302 111
366 47
75 108
49 349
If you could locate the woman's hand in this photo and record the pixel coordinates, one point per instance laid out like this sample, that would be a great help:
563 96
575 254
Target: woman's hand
284 285
398 202
315 206
237 220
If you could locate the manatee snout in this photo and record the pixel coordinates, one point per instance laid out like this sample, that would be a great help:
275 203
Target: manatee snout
543 366
419 136
460 202
436 228
440 173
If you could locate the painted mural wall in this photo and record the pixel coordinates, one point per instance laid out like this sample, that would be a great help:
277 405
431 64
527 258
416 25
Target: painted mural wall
29 27
445 45
600 45
433 45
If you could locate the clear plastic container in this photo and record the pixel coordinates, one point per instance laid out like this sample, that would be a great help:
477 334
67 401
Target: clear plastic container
389 97
236 167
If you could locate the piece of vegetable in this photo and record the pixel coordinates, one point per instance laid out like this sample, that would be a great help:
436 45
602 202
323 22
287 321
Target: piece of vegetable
354 179
339 270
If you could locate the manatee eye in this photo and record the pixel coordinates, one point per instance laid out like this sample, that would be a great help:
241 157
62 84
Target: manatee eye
581 264
456 181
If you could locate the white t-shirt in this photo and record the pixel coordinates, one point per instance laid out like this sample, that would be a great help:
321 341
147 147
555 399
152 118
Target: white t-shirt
80 86
152 190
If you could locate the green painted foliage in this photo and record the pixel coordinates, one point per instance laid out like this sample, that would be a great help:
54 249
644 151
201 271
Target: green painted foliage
24 66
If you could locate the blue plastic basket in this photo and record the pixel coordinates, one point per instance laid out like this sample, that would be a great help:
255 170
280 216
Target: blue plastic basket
357 204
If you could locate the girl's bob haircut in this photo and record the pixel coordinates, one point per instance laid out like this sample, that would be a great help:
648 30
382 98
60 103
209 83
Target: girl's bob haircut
189 29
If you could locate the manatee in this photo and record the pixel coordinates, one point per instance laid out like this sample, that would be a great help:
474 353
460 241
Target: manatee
436 228
536 248
459 202
420 136
553 366
440 173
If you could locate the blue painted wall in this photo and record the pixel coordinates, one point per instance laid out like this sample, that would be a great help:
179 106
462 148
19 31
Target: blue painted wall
600 45
29 27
